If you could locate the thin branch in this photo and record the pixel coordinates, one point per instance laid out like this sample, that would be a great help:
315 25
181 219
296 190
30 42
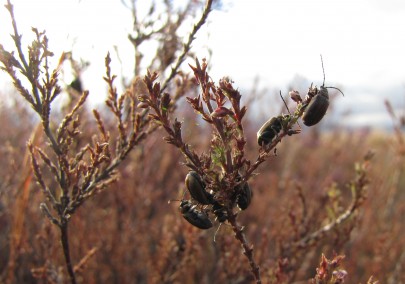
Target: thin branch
187 45
247 249
17 41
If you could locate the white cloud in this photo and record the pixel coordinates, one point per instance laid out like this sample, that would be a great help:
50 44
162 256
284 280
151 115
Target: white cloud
362 42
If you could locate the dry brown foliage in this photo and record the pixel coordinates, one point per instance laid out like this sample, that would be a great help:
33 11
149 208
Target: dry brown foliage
325 209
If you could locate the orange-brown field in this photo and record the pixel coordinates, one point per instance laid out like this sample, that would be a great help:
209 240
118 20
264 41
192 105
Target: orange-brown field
129 233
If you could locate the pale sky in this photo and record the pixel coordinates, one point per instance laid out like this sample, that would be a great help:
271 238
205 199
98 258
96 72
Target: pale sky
362 43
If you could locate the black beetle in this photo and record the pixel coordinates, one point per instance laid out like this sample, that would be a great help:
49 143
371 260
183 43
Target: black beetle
317 107
196 187
194 216
220 212
244 196
318 104
269 130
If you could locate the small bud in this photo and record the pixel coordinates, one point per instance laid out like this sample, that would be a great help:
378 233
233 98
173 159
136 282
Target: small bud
143 105
139 87
295 96
165 101
48 214
339 275
221 112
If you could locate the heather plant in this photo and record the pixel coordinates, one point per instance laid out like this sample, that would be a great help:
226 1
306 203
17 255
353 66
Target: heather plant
330 271
218 181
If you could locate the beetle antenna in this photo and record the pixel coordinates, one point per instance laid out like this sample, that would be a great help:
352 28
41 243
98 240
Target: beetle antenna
182 198
285 103
323 70
336 89
217 232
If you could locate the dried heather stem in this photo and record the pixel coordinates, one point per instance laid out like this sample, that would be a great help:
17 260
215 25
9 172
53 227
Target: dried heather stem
69 117
82 263
187 45
17 40
66 251
358 187
247 249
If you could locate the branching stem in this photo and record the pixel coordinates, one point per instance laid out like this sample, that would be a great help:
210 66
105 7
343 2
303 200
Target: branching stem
187 45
